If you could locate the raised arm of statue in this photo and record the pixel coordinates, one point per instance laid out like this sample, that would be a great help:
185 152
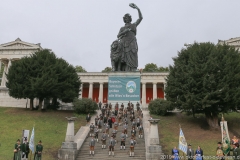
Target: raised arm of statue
140 17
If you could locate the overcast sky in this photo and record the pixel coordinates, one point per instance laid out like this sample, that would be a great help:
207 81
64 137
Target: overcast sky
81 31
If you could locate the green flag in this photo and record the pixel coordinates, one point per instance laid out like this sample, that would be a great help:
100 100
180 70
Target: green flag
225 137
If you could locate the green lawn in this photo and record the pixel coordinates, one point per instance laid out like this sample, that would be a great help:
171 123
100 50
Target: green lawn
196 131
50 127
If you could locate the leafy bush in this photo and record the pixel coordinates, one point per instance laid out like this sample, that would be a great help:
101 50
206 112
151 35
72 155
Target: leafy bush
160 107
84 105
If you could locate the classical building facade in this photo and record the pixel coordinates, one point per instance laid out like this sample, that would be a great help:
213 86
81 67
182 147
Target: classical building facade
10 52
235 42
94 84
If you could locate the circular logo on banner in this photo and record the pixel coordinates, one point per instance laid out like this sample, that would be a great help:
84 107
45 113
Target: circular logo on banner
131 86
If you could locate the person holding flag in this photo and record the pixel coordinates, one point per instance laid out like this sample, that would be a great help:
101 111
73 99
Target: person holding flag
25 148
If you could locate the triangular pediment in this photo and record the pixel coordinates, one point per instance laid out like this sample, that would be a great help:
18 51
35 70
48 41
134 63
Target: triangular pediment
19 44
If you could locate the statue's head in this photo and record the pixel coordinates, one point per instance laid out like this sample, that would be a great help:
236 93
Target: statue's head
127 18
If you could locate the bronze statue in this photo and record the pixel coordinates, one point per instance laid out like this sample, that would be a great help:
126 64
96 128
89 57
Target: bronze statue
127 44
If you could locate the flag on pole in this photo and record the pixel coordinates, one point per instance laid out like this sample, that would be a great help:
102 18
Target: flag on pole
31 142
182 142
225 137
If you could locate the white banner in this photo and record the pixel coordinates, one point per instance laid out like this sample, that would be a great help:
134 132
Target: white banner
25 133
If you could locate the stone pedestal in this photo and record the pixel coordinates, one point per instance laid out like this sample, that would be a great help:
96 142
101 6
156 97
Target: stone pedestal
68 150
153 150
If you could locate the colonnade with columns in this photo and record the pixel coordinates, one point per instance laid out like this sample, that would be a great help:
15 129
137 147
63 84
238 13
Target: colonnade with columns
7 64
90 86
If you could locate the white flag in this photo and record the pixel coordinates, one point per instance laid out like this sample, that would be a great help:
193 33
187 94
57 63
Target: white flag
182 142
31 142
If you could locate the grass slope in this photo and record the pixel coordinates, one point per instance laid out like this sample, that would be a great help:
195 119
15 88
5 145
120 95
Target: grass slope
50 127
196 131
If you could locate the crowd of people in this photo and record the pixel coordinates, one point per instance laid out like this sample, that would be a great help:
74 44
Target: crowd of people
22 150
198 154
113 120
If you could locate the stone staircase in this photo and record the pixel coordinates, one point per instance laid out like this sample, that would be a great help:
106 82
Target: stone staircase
139 150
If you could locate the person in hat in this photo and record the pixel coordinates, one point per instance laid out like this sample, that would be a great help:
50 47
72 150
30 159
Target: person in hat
236 151
132 143
25 148
17 150
190 152
219 151
175 153
104 138
111 145
38 152
92 145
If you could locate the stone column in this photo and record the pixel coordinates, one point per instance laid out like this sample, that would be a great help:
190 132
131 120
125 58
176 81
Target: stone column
164 86
9 64
70 129
90 93
68 149
100 98
81 91
143 94
3 83
154 150
154 90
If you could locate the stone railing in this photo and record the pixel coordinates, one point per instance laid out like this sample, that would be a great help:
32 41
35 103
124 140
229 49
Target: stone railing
73 144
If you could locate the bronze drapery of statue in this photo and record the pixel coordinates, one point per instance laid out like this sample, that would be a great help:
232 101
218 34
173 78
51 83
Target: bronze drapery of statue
124 51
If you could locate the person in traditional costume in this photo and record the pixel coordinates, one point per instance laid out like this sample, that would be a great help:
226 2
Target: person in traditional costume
92 145
104 138
25 148
219 151
190 152
235 140
39 149
17 150
132 145
111 145
199 153
236 151
175 153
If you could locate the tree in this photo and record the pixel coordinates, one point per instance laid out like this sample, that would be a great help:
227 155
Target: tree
80 69
84 105
43 75
205 79
160 107
107 69
151 67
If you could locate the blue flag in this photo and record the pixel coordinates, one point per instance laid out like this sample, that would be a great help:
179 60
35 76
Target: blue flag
31 142
182 142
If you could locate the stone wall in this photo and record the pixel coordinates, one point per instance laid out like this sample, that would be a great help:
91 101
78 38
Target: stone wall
7 101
